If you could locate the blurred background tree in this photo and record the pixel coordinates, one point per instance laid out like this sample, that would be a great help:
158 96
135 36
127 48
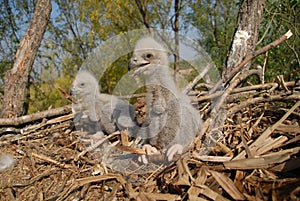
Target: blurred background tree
215 22
77 27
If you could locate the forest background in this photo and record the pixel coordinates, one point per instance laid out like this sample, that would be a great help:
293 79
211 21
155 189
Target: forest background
77 27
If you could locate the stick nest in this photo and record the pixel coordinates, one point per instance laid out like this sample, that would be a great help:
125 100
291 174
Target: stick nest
256 157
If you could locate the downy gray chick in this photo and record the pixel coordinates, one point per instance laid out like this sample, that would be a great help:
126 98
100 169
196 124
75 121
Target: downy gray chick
104 112
172 121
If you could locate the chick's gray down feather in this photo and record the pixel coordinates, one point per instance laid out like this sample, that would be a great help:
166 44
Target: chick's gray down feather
107 111
171 118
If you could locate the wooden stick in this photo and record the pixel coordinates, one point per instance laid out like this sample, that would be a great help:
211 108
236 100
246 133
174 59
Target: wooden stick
192 84
286 36
265 86
35 117
49 160
253 101
66 95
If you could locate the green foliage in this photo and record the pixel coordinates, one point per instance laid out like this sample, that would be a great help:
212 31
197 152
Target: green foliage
113 74
47 95
215 21
279 17
108 18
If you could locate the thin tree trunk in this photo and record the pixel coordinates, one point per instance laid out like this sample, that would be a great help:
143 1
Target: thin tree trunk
142 6
246 34
243 43
16 79
176 32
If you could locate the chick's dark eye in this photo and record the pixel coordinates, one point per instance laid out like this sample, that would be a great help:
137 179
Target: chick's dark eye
81 84
148 56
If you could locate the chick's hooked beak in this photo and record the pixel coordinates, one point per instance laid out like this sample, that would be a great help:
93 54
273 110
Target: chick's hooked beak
72 91
136 64
133 63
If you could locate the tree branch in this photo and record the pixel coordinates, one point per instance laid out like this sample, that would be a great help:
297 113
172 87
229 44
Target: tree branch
17 121
262 50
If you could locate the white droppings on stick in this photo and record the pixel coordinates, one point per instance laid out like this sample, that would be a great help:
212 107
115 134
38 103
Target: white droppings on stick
288 34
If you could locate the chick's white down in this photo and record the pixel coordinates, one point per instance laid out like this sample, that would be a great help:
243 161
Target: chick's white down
109 112
173 121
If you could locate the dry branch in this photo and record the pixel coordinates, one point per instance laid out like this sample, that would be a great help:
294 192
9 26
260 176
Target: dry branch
17 121
192 84
264 161
49 160
267 98
267 86
262 50
248 58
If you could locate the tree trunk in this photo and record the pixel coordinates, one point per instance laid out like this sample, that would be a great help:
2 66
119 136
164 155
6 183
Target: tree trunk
243 43
16 79
176 33
246 34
